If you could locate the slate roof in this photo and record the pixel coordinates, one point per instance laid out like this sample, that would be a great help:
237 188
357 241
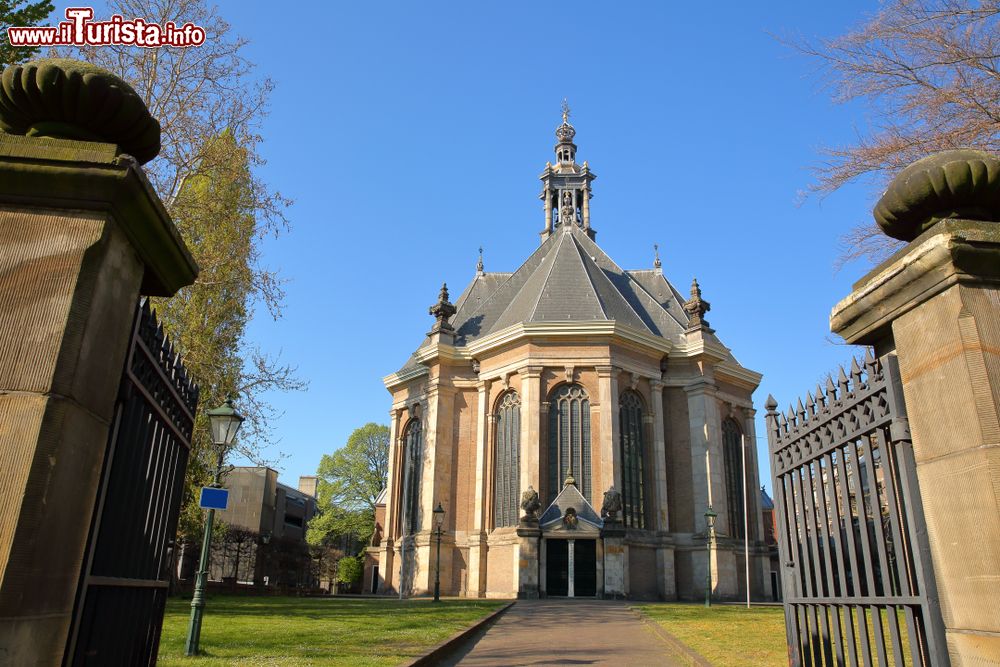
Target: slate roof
568 278
570 496
765 500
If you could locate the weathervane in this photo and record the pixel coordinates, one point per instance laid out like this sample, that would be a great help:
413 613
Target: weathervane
565 110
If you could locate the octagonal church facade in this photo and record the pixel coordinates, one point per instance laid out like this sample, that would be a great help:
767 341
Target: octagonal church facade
575 421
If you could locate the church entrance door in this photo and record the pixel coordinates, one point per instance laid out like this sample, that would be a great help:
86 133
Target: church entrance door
557 568
585 568
571 568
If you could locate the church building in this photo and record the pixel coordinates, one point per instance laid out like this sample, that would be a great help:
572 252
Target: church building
578 424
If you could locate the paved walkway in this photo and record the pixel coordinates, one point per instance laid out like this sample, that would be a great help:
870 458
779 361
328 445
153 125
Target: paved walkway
566 632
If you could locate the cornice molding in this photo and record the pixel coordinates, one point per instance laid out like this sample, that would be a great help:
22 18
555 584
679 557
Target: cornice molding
606 331
736 374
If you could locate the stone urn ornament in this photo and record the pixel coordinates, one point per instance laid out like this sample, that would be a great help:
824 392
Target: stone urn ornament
612 504
71 99
962 183
530 504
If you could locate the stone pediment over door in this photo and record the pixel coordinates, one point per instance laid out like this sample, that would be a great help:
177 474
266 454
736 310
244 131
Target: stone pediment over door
570 513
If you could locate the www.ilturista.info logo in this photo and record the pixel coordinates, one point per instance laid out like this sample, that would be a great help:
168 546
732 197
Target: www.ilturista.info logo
80 30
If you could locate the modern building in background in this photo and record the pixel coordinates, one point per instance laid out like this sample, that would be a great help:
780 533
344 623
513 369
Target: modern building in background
601 393
265 529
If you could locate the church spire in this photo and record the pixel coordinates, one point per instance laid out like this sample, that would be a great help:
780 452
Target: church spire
565 149
566 185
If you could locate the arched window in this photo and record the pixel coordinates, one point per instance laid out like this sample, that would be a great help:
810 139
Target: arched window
732 445
412 455
631 441
569 439
507 458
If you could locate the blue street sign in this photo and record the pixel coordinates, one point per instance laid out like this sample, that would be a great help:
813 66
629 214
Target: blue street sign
214 499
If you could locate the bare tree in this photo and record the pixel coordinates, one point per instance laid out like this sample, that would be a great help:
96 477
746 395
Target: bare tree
210 103
928 70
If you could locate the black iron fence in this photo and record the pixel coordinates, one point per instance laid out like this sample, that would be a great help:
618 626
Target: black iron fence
857 577
119 609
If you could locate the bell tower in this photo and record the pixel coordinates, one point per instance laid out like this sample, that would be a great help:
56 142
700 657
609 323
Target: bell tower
566 189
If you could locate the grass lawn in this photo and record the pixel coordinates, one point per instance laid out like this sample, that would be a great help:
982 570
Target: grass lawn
315 631
726 636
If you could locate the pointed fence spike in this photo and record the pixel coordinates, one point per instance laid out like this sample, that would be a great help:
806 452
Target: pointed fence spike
871 365
801 411
842 384
855 372
810 403
819 396
791 416
831 390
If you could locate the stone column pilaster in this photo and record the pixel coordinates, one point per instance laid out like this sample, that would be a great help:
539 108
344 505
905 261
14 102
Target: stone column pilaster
548 211
392 504
477 538
610 453
615 554
937 303
82 235
708 482
662 513
531 424
435 480
666 580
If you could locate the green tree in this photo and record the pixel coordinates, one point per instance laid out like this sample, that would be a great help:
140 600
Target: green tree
17 14
215 213
349 482
929 73
349 570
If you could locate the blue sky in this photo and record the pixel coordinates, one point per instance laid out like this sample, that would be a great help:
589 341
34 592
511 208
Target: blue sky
409 134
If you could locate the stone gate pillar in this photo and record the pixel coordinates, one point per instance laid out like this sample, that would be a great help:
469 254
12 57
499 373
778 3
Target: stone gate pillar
82 235
936 303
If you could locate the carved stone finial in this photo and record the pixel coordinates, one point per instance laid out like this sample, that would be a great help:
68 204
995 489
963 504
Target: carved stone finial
696 307
442 310
71 99
479 264
960 183
570 479
656 256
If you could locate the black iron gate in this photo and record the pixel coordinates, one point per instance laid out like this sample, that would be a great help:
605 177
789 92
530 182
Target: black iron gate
857 576
123 590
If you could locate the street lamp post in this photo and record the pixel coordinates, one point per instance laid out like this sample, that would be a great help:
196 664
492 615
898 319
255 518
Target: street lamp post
225 422
710 522
438 523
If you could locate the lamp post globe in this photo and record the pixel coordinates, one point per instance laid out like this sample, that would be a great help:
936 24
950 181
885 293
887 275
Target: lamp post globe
225 423
438 524
710 517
